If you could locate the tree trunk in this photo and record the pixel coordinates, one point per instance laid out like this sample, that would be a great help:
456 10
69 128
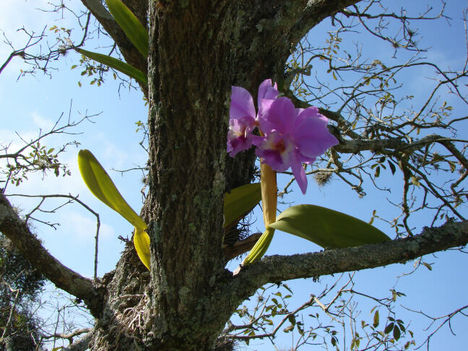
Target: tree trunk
198 50
194 59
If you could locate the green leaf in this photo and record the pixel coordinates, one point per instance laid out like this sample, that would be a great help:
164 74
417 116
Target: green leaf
396 333
240 201
427 265
376 319
141 240
260 247
377 172
102 186
116 64
130 24
327 228
388 328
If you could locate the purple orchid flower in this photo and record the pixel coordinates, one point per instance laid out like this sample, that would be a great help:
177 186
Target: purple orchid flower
292 137
243 118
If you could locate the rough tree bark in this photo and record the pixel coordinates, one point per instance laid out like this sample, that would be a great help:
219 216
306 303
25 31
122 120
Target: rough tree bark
198 50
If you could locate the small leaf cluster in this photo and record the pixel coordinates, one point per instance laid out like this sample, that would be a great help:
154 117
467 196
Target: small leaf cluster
38 158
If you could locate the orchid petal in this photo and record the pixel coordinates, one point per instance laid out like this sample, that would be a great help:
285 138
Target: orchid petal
311 134
241 103
281 116
299 174
267 93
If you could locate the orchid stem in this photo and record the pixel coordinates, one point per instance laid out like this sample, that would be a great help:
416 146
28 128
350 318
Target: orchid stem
269 203
269 193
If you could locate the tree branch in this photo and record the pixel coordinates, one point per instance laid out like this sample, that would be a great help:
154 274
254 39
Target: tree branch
274 269
80 345
31 248
391 145
312 13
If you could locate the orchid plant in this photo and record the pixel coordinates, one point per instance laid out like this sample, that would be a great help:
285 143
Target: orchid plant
283 136
287 137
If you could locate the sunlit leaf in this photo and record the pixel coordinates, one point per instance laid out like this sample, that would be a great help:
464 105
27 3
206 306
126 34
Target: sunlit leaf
141 241
327 228
130 24
415 181
240 201
102 186
116 64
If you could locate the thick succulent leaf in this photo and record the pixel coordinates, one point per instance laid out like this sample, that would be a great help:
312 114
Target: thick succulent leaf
130 24
327 228
240 201
101 185
116 64
260 247
141 241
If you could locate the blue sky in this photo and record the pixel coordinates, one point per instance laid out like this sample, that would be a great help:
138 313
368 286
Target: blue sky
34 102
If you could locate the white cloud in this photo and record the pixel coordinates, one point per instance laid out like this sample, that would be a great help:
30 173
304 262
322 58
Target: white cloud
42 122
84 227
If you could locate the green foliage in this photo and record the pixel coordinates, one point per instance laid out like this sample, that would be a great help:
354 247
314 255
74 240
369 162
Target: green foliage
327 228
37 158
240 201
116 64
135 32
333 323
102 186
130 24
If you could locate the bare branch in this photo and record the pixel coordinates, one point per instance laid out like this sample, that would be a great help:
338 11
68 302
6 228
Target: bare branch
31 248
439 322
68 336
71 199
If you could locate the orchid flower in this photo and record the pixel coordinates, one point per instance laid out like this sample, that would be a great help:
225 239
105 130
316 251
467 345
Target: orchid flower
292 137
288 137
243 118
